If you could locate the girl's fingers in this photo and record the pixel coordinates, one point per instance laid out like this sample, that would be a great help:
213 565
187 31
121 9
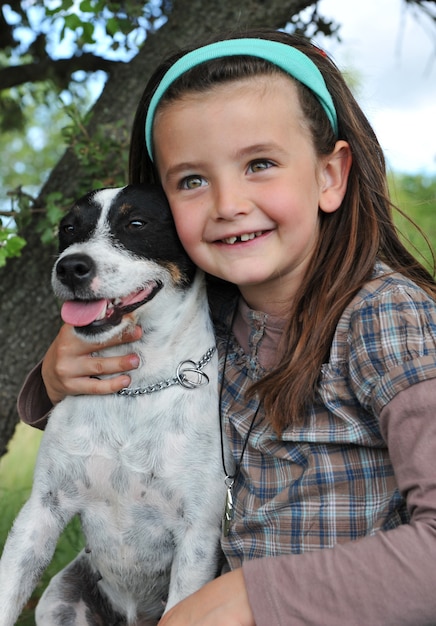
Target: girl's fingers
133 333
68 342
69 367
93 386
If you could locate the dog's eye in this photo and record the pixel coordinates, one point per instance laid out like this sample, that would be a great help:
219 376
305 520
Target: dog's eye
136 225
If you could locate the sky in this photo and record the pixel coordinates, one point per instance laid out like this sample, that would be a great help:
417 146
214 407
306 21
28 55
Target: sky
394 57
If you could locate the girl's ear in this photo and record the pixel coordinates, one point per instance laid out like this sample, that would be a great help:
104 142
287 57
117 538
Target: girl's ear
334 177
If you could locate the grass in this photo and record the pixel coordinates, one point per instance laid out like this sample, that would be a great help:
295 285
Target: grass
16 471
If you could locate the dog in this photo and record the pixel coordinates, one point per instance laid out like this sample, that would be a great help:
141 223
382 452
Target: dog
142 467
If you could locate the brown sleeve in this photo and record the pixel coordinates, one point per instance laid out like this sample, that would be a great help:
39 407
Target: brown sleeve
387 579
33 403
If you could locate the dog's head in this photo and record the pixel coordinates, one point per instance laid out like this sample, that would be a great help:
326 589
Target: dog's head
118 249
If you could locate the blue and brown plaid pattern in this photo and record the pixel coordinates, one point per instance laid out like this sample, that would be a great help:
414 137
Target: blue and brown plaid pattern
330 480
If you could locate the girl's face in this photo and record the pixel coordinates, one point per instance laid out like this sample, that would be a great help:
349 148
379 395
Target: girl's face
245 185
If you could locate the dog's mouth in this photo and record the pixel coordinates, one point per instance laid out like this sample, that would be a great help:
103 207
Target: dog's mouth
96 314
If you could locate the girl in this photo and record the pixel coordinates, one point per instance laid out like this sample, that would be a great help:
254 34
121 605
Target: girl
326 328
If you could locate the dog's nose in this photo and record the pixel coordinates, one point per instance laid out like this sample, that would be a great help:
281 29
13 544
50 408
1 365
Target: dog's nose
75 270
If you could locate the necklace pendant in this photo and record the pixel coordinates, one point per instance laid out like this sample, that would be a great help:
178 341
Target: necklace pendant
229 510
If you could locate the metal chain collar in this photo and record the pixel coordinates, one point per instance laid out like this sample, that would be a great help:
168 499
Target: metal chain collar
183 370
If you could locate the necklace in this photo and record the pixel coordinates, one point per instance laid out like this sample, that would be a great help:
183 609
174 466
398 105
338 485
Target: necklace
229 509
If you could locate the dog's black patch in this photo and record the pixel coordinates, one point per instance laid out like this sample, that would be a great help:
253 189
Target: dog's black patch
80 222
145 226
139 219
80 583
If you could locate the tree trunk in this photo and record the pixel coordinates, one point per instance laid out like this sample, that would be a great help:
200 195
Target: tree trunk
29 316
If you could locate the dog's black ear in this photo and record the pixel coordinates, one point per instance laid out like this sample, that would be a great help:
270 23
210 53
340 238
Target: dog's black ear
151 197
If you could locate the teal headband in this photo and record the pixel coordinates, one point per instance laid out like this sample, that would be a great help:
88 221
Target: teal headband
291 60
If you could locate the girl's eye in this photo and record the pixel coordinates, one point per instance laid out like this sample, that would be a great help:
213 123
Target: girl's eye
192 182
259 166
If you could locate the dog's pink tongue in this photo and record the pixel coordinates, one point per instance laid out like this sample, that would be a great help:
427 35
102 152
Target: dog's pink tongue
82 313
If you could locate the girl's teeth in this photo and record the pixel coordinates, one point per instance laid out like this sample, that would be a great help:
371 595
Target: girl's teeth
245 237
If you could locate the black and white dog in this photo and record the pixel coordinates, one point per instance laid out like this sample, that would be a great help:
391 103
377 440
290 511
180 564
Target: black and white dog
143 469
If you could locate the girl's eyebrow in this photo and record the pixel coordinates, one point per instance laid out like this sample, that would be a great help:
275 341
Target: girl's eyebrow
260 150
245 152
181 168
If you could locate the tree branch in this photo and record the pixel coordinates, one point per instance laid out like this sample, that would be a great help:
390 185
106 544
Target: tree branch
59 70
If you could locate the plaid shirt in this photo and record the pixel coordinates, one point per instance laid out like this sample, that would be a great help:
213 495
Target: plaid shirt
330 480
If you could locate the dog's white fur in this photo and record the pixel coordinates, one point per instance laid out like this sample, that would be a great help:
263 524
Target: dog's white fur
144 473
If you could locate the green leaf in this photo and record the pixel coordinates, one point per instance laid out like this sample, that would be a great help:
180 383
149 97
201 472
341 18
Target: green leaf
54 214
52 11
112 26
73 22
88 33
125 26
15 245
86 6
10 245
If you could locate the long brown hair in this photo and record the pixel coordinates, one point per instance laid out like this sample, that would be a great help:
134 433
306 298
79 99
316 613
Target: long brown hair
351 239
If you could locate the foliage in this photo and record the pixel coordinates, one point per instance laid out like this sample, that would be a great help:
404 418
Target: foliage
35 31
32 143
122 23
102 155
415 195
103 158
10 244
310 23
28 155
42 114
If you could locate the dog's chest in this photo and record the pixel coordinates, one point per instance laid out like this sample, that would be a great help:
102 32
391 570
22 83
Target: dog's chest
139 481
104 456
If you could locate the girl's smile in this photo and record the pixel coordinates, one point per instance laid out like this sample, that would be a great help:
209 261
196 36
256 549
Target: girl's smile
245 184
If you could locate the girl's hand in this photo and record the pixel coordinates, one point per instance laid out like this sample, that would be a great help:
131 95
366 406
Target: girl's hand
222 601
69 368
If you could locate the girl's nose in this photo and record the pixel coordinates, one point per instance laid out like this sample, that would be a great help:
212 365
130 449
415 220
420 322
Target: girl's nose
230 202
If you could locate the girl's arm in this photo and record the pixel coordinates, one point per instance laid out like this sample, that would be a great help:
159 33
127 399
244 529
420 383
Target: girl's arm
385 579
69 368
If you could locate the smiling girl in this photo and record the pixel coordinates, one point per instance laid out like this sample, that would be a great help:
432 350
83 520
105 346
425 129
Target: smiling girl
326 328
